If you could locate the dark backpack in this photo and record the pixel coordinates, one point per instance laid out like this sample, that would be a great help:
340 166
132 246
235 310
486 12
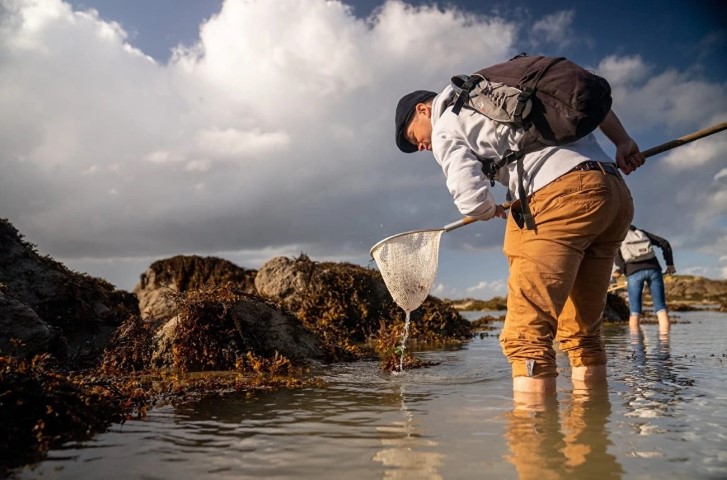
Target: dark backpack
565 103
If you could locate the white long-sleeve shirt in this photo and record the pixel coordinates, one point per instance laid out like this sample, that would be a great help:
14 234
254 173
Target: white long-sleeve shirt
458 141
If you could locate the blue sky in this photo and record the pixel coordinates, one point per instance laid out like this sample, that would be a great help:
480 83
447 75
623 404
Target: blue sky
670 33
136 130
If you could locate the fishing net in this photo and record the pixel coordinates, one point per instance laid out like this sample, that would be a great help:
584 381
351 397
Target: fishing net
408 265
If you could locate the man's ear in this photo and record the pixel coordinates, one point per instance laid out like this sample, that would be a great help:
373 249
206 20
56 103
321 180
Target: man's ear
424 109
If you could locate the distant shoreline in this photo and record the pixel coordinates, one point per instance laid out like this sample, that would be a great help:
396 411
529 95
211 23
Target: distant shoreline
683 293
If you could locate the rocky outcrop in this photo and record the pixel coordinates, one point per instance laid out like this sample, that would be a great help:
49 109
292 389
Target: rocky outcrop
350 303
685 292
49 305
24 334
214 329
684 288
495 303
202 313
232 325
165 278
616 310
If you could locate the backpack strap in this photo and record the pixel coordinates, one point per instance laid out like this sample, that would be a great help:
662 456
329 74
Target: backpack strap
534 83
468 82
532 146
490 168
522 101
524 204
463 85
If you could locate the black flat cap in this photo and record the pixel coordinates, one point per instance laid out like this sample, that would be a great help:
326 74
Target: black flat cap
404 112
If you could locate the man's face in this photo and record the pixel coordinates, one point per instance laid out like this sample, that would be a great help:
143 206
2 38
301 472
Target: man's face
419 130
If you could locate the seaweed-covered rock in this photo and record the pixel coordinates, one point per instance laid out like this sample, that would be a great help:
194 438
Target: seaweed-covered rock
495 303
686 288
345 302
85 309
41 407
215 329
183 273
695 292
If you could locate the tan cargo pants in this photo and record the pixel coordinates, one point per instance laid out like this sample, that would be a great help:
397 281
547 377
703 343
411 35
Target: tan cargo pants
559 273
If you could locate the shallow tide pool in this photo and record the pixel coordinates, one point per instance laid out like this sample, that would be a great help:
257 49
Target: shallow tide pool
662 415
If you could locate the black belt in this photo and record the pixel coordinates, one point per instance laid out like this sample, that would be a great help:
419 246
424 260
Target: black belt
593 165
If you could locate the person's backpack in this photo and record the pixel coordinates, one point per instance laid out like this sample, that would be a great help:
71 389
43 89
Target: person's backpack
636 247
552 99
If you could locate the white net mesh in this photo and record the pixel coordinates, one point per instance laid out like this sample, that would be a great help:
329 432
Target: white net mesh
408 264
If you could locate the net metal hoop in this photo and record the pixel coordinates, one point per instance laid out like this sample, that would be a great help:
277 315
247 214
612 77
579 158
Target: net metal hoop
385 240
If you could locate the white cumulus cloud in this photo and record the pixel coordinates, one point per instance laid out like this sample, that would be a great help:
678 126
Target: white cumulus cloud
274 132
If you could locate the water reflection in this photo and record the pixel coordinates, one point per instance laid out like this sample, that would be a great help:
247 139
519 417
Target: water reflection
452 421
586 434
361 411
535 441
655 388
569 440
405 454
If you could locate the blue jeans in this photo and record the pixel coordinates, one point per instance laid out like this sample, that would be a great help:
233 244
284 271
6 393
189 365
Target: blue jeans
655 280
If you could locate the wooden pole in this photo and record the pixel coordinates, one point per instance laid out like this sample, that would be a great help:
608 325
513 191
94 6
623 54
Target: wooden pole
647 153
685 139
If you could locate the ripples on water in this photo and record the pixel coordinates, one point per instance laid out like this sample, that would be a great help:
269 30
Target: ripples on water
663 415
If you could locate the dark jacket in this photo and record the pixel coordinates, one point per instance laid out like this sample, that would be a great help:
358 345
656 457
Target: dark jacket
628 268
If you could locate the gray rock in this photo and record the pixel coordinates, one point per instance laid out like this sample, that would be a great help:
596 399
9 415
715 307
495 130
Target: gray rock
283 279
24 334
155 297
274 329
166 278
